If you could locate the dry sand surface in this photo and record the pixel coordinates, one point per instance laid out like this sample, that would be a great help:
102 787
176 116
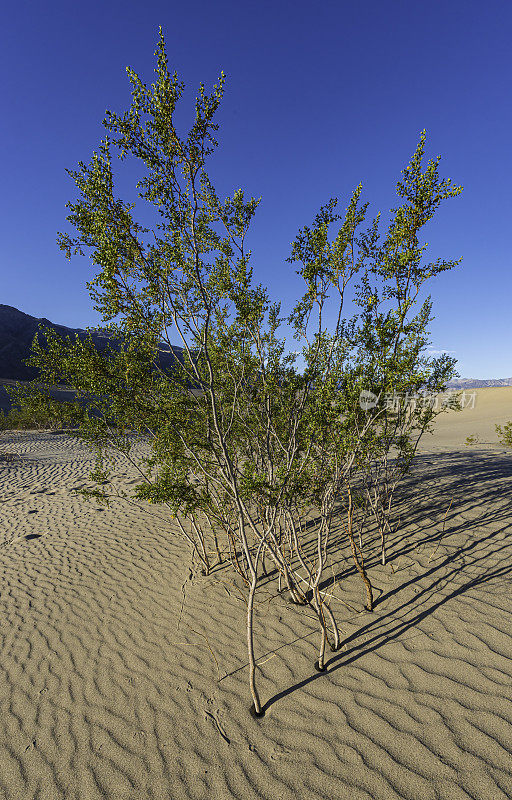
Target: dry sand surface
112 687
484 408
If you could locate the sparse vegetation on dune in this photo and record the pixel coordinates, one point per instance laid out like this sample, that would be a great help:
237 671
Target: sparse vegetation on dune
34 409
505 433
245 463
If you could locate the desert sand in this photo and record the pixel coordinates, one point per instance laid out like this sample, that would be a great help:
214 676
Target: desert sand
111 686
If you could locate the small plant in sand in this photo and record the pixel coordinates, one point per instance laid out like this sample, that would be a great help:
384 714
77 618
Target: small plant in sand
34 408
505 433
470 440
243 446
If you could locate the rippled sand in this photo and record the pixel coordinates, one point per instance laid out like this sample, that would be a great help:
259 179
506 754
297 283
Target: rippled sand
112 687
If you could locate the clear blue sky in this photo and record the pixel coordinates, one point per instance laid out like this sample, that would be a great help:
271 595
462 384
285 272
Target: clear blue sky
318 97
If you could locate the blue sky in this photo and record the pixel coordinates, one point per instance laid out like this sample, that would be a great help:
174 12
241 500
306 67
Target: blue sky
318 97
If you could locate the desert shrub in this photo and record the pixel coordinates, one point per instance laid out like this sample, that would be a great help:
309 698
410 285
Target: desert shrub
34 409
505 433
261 444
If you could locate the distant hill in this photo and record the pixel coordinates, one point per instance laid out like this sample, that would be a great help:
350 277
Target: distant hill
17 331
477 383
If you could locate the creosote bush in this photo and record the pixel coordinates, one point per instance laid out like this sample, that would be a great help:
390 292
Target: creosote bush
505 433
243 447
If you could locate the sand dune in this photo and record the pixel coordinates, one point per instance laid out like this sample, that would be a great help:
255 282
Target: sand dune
112 687
492 406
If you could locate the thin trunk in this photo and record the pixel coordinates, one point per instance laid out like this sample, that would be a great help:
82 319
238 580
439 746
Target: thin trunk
336 645
204 556
256 710
297 596
236 564
279 559
195 550
383 548
359 563
217 550
320 664
360 568
300 556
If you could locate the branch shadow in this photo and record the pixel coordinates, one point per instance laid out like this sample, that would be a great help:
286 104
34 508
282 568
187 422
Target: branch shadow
442 478
481 494
383 634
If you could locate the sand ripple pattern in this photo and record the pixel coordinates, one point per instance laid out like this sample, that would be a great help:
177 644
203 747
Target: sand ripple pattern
110 689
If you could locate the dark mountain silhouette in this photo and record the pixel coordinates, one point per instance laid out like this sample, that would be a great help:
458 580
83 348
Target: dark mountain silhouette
17 331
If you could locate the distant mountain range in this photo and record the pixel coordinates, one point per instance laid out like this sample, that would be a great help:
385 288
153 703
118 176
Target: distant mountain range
476 383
